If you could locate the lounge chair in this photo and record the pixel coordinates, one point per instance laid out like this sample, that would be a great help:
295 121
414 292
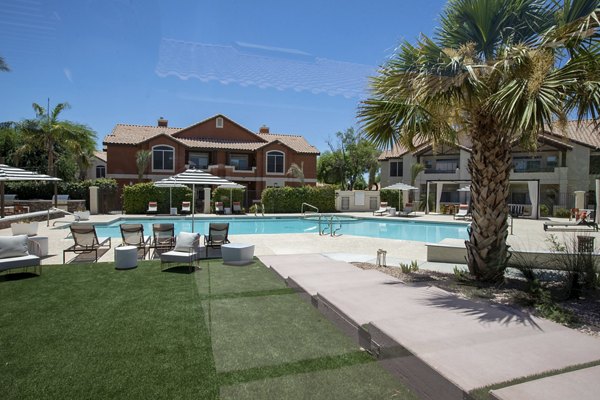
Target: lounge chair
383 209
133 235
163 237
187 250
219 209
217 236
61 201
86 241
16 252
408 209
585 221
237 207
463 212
152 207
186 207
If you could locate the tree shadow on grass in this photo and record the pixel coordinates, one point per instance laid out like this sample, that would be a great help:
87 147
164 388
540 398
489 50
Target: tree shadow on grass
484 312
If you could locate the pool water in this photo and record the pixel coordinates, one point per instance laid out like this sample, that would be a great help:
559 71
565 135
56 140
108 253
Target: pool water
370 227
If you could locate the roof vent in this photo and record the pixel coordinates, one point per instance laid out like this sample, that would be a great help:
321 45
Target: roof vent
264 129
219 122
163 122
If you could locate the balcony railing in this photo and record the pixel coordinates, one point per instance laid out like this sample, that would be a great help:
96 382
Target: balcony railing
533 169
440 171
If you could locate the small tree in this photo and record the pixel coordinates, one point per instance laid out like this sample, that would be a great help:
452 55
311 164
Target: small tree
297 172
142 160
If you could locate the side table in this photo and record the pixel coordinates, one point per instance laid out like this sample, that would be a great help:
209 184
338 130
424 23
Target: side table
125 257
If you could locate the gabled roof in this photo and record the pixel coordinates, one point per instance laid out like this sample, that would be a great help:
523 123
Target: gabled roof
136 134
101 155
213 117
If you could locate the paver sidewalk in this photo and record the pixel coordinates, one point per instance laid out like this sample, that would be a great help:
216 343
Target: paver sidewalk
442 345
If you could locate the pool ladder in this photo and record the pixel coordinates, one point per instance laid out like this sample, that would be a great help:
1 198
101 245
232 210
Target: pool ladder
330 222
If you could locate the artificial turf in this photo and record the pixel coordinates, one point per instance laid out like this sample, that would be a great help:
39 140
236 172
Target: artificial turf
90 331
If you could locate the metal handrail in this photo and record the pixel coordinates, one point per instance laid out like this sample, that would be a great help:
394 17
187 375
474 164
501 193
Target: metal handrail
328 229
308 205
77 217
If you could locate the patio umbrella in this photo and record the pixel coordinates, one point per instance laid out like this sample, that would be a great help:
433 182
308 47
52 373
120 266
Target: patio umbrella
167 182
13 174
400 187
198 177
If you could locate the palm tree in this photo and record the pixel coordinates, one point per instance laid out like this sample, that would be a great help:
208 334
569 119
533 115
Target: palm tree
3 65
415 170
297 172
142 160
54 136
496 71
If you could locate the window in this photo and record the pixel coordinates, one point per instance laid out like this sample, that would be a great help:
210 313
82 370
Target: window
275 161
100 171
595 164
239 161
219 122
163 158
552 161
446 165
527 164
199 160
396 168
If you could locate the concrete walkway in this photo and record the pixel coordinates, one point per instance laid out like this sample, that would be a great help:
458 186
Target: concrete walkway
441 345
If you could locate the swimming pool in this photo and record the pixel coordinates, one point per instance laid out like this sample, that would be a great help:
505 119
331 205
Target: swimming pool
377 228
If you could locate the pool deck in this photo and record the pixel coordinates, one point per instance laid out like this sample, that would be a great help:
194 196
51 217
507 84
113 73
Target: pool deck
527 235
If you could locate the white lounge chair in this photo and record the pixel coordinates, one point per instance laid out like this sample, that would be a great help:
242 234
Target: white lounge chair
186 207
187 250
152 207
463 212
15 252
383 209
408 209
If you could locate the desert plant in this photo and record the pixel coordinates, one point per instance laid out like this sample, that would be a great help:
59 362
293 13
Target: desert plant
407 268
562 213
142 160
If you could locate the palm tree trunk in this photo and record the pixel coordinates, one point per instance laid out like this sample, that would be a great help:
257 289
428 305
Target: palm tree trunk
490 165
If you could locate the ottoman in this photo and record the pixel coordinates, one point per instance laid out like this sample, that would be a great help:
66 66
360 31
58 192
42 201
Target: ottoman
237 253
125 257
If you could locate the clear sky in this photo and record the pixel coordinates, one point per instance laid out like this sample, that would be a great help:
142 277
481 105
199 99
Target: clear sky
299 67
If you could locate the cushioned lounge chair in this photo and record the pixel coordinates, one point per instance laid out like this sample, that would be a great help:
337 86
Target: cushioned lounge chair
86 241
152 207
219 209
463 212
383 209
217 236
408 209
163 237
19 252
133 235
187 251
186 207
237 207
585 222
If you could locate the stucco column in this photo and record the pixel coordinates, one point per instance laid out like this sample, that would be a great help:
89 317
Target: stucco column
597 199
93 200
207 200
579 199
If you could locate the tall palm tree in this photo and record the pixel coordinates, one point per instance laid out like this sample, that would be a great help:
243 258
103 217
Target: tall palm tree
3 65
54 135
496 71
142 160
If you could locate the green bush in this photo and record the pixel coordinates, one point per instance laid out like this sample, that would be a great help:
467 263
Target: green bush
562 213
136 197
289 199
544 211
31 190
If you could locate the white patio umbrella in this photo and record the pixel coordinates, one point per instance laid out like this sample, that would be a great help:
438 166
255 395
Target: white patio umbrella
167 182
400 187
13 174
198 177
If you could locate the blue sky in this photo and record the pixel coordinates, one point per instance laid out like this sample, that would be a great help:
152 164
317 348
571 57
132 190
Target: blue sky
297 67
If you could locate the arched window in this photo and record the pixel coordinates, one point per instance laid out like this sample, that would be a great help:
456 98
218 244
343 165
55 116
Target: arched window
275 162
163 158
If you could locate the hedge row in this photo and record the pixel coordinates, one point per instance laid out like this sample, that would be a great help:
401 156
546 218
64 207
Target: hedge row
31 190
136 197
289 199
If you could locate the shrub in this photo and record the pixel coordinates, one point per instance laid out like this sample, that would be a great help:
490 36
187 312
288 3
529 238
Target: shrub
562 213
544 211
222 194
289 199
31 190
408 268
136 197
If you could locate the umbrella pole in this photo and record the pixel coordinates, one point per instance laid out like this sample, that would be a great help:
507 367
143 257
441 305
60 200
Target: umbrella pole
1 199
193 205
170 198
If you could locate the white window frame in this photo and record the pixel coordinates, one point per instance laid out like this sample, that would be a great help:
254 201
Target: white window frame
154 148
101 166
219 122
267 162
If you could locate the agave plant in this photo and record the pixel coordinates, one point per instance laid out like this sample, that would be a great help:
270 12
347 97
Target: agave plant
496 71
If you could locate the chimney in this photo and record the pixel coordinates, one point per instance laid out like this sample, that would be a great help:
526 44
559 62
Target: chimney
264 129
163 122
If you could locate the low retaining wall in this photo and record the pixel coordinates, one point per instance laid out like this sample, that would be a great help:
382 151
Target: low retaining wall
43 205
36 216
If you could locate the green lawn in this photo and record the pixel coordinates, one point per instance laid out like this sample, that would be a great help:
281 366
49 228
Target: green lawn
90 331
